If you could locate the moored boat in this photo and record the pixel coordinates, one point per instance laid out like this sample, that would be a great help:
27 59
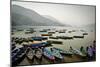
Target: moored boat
30 53
63 51
39 38
43 31
51 32
46 34
77 52
38 53
85 33
18 55
56 53
78 36
64 37
37 45
54 42
48 54
53 37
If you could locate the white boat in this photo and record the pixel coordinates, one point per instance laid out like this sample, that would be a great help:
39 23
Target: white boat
63 51
77 52
38 53
30 53
48 54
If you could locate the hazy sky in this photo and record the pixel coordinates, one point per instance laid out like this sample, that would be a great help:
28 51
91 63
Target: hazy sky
68 14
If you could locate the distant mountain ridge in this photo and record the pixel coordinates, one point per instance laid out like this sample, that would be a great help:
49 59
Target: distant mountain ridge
24 16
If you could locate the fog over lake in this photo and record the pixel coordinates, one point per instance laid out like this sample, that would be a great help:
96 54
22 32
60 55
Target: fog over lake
75 15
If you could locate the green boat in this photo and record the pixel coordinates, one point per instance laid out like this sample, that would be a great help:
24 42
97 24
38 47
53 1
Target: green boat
56 53
77 52
63 51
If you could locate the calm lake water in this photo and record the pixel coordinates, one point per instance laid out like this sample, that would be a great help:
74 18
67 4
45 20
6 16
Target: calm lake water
76 42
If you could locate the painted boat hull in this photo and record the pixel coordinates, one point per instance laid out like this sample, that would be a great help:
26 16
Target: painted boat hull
78 36
48 54
56 53
38 53
63 51
30 54
55 42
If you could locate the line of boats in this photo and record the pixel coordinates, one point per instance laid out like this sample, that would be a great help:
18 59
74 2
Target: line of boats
38 52
52 53
17 55
66 37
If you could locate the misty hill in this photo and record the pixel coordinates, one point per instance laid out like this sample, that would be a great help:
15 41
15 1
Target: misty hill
54 19
51 18
24 16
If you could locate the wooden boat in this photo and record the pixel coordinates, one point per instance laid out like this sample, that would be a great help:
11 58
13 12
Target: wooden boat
53 37
37 38
18 51
28 32
56 53
46 34
13 47
30 53
62 32
64 37
44 38
77 52
43 31
78 36
21 53
38 53
52 32
14 59
48 54
85 33
55 42
46 44
36 45
15 50
18 56
63 51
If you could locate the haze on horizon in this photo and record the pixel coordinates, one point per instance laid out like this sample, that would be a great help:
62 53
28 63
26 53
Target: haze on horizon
75 15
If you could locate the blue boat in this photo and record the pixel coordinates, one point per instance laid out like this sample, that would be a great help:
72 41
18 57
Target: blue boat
39 38
56 53
15 50
48 54
13 47
39 45
63 51
77 52
17 55
46 43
